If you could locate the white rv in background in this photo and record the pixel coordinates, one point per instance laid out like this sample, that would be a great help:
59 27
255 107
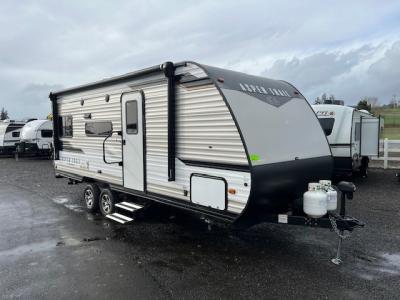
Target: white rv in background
36 138
353 136
9 135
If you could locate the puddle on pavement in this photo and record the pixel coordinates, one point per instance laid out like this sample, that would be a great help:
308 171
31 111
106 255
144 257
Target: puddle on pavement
376 267
65 201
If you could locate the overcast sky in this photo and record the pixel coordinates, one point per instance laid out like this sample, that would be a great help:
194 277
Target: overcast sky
348 48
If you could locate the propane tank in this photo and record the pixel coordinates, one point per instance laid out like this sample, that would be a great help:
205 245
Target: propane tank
315 201
332 194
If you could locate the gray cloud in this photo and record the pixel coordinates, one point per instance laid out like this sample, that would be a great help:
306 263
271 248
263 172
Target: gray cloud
366 71
53 43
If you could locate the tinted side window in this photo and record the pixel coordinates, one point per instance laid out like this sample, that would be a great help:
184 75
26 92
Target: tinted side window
357 132
65 126
15 134
46 133
131 110
103 128
13 127
327 125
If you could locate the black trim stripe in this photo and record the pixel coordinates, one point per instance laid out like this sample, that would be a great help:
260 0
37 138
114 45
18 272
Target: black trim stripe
56 129
205 164
340 145
169 71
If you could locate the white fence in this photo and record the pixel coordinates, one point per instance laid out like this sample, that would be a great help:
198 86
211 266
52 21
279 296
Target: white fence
391 152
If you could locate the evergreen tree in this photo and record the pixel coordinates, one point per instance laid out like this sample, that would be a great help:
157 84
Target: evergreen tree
3 114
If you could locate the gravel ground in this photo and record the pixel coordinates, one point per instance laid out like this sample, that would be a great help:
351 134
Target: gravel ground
185 260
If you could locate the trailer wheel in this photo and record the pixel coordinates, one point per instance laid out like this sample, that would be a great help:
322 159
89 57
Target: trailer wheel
107 202
91 196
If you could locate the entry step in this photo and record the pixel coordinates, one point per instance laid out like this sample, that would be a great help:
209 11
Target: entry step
119 218
129 206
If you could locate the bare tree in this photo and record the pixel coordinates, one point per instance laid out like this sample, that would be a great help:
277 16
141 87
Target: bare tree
318 101
322 98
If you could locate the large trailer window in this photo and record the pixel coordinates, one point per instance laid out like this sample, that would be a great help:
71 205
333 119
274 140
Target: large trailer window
66 126
14 127
46 133
131 110
100 128
327 125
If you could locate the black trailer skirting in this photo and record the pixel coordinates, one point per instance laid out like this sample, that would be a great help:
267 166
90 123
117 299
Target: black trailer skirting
275 187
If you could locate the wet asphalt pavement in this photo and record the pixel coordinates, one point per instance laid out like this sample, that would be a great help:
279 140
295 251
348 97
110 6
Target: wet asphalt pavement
51 248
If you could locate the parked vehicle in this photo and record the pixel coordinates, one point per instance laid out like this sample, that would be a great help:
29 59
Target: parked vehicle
353 136
9 135
226 145
36 138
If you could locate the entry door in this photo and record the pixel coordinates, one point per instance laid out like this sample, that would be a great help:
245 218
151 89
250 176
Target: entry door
132 143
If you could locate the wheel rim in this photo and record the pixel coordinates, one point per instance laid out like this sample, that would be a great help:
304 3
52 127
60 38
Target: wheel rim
106 204
89 198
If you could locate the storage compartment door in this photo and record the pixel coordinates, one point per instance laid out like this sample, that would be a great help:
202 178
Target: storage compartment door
369 137
208 191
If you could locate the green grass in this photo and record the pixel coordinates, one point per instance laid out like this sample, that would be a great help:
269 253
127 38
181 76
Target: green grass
391 118
391 133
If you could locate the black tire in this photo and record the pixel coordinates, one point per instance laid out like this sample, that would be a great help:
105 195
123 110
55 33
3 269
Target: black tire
91 197
107 201
364 167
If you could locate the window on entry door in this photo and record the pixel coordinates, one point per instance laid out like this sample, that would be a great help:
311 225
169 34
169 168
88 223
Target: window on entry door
131 110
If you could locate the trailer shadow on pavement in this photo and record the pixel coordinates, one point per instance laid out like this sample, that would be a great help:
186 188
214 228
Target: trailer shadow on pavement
50 247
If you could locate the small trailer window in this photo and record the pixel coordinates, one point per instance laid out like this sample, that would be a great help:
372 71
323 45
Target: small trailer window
15 134
357 132
46 133
131 110
103 128
327 125
66 126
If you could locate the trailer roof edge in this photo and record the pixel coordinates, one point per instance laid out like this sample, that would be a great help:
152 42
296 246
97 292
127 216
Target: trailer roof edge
112 80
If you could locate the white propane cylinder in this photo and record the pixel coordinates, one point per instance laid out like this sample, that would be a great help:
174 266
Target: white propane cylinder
315 201
332 194
332 199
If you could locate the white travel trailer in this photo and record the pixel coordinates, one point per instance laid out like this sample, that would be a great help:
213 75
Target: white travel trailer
353 136
36 138
224 144
9 135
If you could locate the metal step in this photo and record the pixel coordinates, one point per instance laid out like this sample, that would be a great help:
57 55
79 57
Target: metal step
129 206
119 218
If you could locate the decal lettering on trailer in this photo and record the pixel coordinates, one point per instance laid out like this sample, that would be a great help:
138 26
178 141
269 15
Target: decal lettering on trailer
251 88
83 164
325 113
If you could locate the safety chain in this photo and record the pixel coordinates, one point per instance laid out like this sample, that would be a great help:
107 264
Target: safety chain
336 230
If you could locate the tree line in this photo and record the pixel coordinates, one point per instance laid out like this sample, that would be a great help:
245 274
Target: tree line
366 103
